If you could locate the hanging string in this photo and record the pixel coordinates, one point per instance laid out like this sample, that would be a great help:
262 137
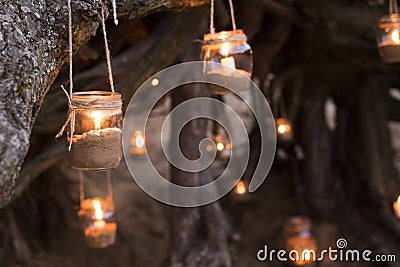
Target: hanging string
114 5
393 7
71 83
71 110
109 187
108 57
212 29
232 15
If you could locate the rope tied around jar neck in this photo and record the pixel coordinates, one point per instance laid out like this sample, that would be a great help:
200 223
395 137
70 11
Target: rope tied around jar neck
71 110
212 28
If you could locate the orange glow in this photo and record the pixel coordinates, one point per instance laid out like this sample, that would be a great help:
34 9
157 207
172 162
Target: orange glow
396 36
240 188
97 116
220 146
98 211
139 139
225 49
282 126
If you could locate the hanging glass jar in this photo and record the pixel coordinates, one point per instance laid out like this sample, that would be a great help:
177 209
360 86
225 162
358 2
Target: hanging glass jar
299 242
230 49
96 131
284 130
389 37
138 143
240 188
96 215
222 142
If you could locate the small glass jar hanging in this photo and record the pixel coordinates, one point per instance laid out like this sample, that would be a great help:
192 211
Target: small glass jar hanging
96 132
284 130
138 143
96 215
240 188
389 37
299 242
222 142
230 49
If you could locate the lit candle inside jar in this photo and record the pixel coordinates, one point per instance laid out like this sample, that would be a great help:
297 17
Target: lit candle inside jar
240 188
284 130
97 117
98 148
395 36
396 207
138 142
98 213
306 255
99 234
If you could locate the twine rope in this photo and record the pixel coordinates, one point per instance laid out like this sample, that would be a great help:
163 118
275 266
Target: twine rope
71 110
108 57
393 7
212 28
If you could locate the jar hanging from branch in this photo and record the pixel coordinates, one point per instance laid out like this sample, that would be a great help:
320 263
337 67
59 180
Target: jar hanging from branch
138 143
284 127
300 243
97 132
389 37
227 57
94 118
96 215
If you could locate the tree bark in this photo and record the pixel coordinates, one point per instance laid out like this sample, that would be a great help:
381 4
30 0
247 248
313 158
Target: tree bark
33 48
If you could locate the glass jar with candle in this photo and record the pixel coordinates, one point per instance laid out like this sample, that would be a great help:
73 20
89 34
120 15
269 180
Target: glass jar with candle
230 49
138 143
96 140
97 219
222 142
299 239
389 38
284 130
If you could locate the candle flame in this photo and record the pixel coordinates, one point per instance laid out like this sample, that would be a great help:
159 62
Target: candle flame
283 128
306 255
225 49
396 36
139 139
98 211
220 146
240 188
97 116
398 200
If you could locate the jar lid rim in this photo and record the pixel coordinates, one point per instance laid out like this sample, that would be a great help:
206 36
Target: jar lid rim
389 19
234 35
94 93
87 99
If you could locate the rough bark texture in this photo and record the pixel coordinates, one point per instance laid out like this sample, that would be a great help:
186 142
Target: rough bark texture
33 45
